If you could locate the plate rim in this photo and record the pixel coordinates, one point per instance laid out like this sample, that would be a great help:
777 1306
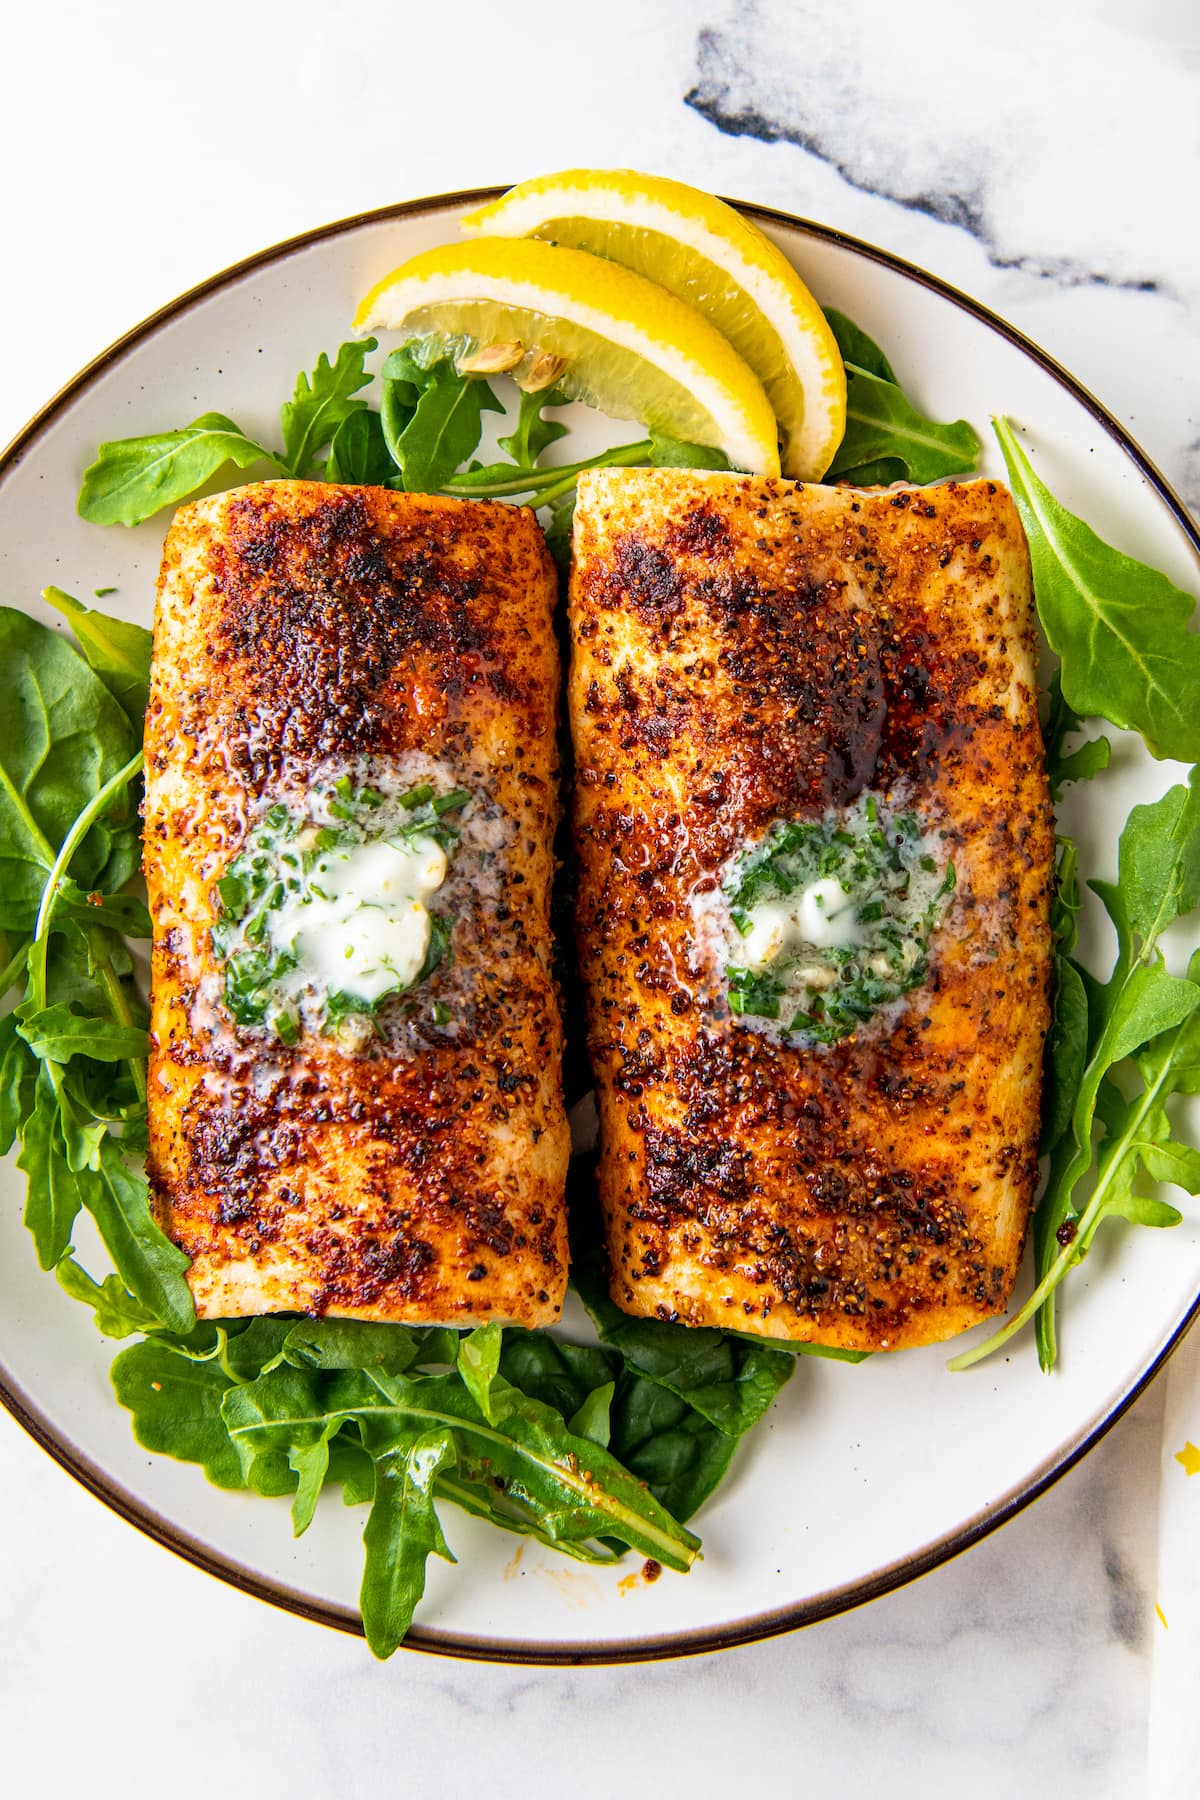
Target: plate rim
655 1646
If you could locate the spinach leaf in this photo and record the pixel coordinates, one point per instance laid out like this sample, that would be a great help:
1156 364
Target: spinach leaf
176 1406
674 1449
823 1352
678 1452
561 1375
727 1379
1121 630
321 405
351 1344
117 650
62 738
133 478
675 453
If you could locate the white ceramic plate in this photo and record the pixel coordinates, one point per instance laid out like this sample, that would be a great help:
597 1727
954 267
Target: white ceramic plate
861 1477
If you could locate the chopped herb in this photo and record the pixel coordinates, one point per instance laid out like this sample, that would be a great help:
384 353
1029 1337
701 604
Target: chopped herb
824 991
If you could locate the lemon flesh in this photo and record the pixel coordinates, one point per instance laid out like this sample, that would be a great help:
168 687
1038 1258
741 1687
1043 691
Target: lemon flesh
710 256
629 347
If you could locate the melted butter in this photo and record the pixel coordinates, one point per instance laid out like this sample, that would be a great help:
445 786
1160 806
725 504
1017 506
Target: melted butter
826 922
823 915
361 927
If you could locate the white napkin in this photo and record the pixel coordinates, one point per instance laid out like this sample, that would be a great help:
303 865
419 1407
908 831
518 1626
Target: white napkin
1174 1750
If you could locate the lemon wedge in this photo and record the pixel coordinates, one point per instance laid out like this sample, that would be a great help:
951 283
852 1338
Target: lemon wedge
707 254
599 332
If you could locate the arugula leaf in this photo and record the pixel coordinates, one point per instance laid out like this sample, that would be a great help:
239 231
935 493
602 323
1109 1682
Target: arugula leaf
77 1018
593 1419
442 430
152 1267
55 1034
1120 629
886 438
321 404
1158 869
402 1532
522 1467
881 422
133 478
533 433
117 650
117 1313
358 453
479 1364
124 914
857 348
18 1079
1066 1052
1142 1012
62 738
675 453
1062 765
310 1465
281 1434
53 1196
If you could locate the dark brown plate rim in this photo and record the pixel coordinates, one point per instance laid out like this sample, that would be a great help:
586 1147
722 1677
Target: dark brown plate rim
737 1631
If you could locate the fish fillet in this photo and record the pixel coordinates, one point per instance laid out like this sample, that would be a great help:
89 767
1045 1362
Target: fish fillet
746 651
303 629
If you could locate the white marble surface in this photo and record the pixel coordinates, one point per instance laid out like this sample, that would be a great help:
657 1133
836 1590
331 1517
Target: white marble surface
1044 157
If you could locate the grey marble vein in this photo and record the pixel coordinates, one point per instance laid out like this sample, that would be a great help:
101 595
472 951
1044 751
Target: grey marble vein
1014 126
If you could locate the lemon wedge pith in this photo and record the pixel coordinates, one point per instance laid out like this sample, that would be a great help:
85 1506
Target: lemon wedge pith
710 256
626 346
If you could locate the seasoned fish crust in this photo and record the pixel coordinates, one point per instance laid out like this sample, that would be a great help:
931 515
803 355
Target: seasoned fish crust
301 625
748 650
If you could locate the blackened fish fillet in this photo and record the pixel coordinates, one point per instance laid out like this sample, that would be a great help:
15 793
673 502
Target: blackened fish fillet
302 628
747 651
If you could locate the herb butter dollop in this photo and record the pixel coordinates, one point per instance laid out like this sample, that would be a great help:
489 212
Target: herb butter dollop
320 923
827 921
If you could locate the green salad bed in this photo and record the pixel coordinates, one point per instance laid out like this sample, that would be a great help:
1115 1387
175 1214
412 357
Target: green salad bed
592 1449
